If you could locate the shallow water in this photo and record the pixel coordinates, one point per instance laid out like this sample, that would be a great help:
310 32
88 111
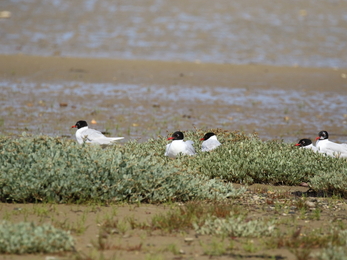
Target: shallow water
304 33
142 113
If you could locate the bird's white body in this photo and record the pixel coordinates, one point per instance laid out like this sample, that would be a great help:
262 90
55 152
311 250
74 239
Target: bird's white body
92 136
179 146
331 148
210 144
316 150
310 147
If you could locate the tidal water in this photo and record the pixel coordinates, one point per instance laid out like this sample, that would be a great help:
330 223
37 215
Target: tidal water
309 33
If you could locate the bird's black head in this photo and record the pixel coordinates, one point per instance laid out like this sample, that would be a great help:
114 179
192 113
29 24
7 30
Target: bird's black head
80 124
304 142
176 136
207 136
322 135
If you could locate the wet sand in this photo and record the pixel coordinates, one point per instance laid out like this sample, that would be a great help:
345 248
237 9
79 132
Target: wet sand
147 73
143 99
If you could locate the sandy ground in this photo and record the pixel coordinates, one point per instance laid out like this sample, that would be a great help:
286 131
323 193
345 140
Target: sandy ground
86 222
91 70
92 218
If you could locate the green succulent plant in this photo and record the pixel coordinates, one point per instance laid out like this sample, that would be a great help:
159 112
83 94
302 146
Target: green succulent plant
27 238
42 168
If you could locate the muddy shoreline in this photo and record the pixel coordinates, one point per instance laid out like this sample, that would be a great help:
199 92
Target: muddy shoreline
99 70
142 99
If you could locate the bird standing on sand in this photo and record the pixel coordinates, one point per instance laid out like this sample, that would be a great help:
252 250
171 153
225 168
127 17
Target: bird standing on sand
324 145
179 146
210 142
88 135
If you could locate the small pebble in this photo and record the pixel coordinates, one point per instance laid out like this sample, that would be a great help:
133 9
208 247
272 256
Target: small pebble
189 240
310 204
5 14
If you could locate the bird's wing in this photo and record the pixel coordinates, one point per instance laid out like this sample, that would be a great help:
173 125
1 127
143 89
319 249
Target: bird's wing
210 145
190 147
115 138
89 135
167 149
336 148
310 147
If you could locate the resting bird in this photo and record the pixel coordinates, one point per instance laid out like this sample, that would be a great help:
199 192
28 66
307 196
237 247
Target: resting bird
88 135
324 145
210 142
307 144
179 146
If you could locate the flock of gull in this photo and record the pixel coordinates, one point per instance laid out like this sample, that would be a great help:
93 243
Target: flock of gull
324 146
210 142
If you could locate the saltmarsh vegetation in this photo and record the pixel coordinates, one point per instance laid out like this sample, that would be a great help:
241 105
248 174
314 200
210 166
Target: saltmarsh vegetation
246 159
42 168
47 169
236 226
26 237
56 170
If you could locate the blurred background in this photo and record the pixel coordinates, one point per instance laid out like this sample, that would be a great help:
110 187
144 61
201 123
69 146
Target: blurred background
310 33
292 33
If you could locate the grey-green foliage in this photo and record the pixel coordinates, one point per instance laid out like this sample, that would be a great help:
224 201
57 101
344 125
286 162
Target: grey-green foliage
332 253
247 159
335 252
333 181
236 226
26 238
53 169
256 161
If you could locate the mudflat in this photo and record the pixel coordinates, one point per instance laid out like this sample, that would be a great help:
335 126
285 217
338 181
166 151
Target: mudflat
147 72
142 99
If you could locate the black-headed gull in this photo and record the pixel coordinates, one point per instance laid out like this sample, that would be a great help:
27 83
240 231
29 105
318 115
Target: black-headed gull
88 135
324 145
307 144
179 146
210 142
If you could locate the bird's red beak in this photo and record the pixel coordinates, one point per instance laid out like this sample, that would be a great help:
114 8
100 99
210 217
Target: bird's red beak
74 126
317 138
297 144
202 139
170 138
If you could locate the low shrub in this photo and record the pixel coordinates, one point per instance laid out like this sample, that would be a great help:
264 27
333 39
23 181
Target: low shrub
247 160
53 169
28 238
42 168
236 226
